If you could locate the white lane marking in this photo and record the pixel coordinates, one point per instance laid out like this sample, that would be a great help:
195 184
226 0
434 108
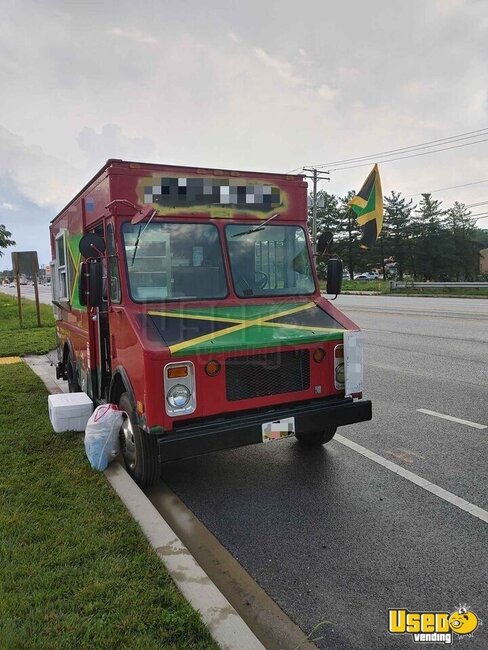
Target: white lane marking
468 507
475 425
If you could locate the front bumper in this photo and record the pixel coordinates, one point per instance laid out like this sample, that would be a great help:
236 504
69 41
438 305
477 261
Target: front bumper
242 429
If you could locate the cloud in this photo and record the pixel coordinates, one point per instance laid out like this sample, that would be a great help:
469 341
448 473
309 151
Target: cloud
44 179
10 207
303 82
449 6
28 223
328 93
134 35
282 68
33 187
230 89
111 142
304 57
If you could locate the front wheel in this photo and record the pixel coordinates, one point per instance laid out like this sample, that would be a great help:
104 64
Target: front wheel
139 449
316 438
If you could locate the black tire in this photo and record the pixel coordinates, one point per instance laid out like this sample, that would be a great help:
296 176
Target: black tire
139 450
317 438
73 385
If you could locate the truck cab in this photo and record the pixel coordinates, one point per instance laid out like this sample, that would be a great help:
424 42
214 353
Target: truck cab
189 297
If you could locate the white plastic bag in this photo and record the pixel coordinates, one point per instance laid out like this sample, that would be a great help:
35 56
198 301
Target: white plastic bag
102 435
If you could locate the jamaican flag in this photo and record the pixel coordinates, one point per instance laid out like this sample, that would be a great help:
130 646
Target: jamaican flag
368 206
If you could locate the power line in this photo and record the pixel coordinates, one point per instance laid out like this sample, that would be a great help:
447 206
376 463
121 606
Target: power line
452 187
415 155
423 145
477 217
415 147
440 189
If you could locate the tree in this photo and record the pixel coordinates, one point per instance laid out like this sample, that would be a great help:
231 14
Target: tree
328 218
465 244
349 237
431 249
5 240
397 231
426 241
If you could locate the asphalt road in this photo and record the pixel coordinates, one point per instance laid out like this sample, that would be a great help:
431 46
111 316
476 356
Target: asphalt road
333 536
27 291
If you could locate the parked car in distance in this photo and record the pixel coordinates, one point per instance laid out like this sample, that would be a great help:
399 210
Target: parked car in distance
369 275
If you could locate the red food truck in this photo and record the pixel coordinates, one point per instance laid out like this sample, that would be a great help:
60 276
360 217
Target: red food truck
189 298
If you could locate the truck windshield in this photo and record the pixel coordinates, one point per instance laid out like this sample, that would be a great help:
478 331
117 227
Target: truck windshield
174 261
272 261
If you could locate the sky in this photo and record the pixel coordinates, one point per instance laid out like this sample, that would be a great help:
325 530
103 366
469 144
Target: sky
268 85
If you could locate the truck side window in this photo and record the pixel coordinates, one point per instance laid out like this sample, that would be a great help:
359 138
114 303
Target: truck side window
113 266
61 283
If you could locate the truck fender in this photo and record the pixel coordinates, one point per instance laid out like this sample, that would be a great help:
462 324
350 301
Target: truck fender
68 351
119 384
64 354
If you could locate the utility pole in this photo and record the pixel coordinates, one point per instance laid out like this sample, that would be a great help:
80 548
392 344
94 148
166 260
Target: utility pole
382 258
316 176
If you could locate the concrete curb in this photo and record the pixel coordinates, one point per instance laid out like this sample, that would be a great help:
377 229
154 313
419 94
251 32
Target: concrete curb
223 622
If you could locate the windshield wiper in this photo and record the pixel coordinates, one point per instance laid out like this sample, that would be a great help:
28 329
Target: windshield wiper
139 235
257 229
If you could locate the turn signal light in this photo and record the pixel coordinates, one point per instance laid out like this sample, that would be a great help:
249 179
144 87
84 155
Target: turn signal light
177 371
339 352
318 355
212 368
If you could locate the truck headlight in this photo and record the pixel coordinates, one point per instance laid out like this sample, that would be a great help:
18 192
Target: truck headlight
339 369
339 373
179 388
178 396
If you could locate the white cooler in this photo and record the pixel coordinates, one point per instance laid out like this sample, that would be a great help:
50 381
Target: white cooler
69 411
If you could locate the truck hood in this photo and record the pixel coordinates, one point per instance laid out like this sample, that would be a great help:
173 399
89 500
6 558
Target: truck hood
244 327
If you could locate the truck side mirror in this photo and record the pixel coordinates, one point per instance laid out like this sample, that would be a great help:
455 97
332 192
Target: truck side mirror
91 283
92 248
334 276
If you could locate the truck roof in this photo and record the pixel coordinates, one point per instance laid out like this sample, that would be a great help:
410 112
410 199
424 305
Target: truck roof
113 165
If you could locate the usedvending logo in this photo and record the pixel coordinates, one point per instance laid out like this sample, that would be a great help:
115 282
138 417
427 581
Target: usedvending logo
433 627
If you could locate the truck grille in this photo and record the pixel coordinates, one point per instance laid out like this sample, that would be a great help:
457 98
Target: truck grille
273 373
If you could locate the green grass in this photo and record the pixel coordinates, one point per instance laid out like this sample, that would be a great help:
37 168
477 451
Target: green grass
75 569
378 286
441 291
29 339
